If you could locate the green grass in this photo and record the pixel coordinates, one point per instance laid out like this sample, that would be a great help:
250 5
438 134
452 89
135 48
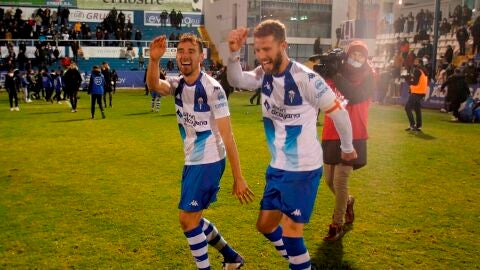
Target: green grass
80 193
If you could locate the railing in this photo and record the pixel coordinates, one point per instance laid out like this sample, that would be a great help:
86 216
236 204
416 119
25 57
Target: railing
89 42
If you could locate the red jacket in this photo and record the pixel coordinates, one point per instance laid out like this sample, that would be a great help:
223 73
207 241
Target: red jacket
357 107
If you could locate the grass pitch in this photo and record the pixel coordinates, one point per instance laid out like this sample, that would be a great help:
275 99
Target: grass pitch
81 193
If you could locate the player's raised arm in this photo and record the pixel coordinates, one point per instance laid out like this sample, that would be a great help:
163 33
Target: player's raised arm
240 187
154 83
249 80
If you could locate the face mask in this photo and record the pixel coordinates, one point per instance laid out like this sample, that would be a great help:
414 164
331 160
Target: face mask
354 63
425 61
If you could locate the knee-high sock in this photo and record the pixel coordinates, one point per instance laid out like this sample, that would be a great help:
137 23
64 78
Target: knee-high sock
199 247
298 256
276 238
216 240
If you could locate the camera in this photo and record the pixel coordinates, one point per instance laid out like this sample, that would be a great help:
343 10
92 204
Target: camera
329 64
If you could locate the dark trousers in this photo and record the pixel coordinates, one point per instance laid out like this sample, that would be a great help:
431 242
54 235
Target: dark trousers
109 93
414 103
476 47
256 95
454 106
12 94
58 96
73 99
48 94
462 47
96 98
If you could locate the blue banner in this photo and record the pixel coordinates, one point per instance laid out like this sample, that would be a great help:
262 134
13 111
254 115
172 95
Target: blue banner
152 18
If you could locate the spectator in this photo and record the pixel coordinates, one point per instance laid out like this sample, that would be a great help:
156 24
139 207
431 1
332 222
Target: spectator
130 54
404 48
138 37
10 85
96 89
445 27
173 18
114 80
410 22
72 81
163 18
179 19
141 61
475 30
462 38
458 92
420 20
317 47
410 59
170 65
449 54
470 72
466 14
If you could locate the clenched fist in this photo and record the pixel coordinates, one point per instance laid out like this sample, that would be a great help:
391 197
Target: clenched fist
236 39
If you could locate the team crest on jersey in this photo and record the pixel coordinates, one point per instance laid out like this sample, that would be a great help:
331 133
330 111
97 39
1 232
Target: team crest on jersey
292 95
267 86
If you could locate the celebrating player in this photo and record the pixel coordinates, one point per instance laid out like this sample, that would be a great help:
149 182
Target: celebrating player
203 119
291 96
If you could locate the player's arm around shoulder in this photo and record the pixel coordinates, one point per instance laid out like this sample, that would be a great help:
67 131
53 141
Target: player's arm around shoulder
240 187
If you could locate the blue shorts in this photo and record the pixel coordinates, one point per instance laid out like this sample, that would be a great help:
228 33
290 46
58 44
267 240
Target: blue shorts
293 193
200 185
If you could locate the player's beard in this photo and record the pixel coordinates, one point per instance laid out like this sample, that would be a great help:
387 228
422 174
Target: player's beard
186 70
276 63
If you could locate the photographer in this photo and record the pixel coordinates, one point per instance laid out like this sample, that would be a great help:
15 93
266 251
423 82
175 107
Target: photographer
354 81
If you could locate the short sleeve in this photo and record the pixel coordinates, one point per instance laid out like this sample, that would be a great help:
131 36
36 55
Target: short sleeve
218 102
318 92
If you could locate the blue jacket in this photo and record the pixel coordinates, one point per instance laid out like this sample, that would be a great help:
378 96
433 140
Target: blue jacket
47 81
97 83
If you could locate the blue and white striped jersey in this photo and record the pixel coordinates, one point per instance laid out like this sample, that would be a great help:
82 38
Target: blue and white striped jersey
290 103
197 106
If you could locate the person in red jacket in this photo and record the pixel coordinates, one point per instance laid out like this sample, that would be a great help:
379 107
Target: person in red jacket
355 84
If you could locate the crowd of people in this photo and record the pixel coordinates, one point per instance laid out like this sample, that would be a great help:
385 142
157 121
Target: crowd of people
59 86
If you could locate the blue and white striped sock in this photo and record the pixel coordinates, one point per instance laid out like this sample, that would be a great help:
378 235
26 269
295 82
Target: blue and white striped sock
298 256
276 238
216 240
199 247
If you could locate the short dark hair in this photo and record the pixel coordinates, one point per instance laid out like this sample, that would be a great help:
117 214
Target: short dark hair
271 28
189 37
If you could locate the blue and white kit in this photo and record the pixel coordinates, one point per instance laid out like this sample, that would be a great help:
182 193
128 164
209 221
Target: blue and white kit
197 106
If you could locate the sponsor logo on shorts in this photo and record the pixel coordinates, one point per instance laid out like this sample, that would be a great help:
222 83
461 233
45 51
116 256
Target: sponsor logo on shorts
296 213
195 203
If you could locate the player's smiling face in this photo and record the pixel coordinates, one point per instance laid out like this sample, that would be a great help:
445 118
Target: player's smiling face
269 53
189 58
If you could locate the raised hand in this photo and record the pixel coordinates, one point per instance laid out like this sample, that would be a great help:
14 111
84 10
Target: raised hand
236 38
158 48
